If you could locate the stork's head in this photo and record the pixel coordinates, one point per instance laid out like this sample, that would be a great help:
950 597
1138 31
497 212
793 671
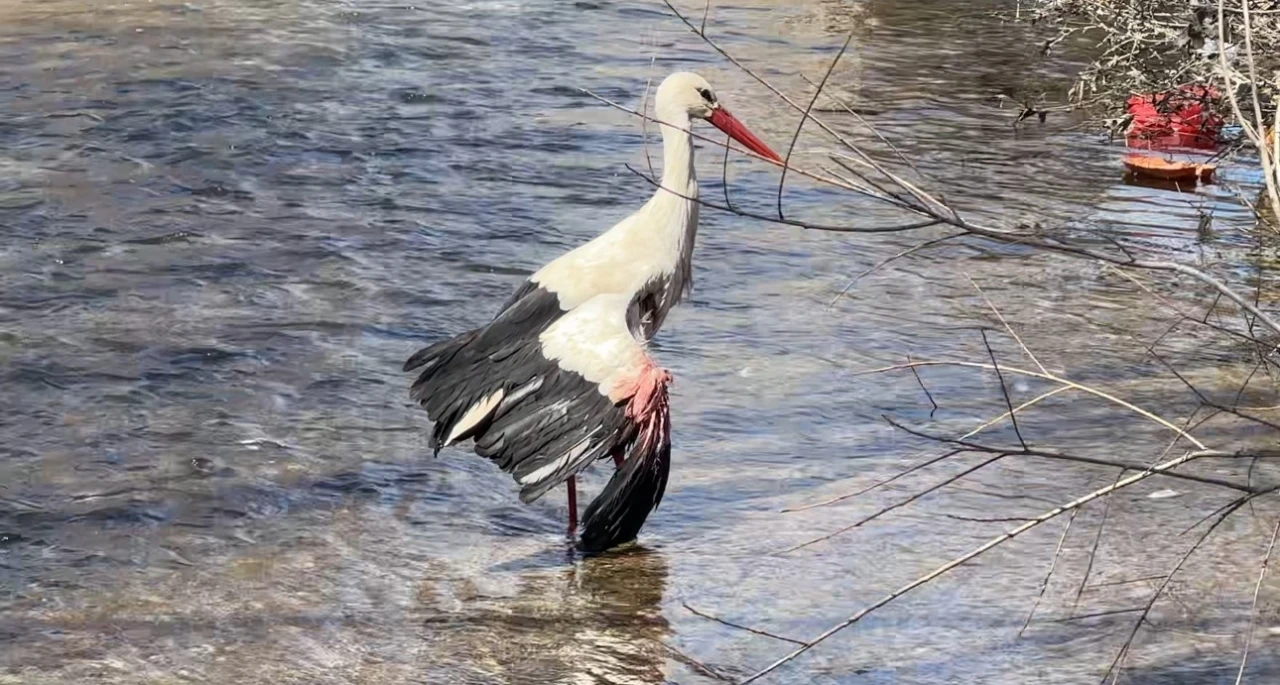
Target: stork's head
686 94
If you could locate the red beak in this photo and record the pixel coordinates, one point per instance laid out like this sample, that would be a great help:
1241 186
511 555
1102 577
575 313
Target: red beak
723 120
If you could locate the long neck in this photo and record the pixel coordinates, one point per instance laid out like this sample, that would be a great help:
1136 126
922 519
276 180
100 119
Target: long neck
673 209
677 155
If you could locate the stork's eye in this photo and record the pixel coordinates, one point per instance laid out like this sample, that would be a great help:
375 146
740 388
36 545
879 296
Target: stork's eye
707 95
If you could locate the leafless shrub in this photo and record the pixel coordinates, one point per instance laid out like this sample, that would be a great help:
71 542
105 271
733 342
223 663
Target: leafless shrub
1150 46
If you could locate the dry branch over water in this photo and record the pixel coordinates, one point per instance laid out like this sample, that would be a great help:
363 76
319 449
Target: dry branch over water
1245 467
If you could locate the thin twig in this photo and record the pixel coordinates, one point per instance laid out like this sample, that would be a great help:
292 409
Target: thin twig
877 484
808 110
724 176
896 505
987 519
1253 609
880 264
1049 377
1117 663
970 446
1093 550
1044 584
789 222
925 389
1187 316
1127 581
693 663
1004 389
1097 614
1006 325
1208 402
874 131
644 121
931 461
739 626
1024 405
920 196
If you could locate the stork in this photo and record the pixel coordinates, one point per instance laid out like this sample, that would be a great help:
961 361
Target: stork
518 385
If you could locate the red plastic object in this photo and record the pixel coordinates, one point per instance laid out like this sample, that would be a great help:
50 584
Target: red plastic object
1154 167
1174 118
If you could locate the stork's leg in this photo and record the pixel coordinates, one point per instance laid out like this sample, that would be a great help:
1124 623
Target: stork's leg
617 456
573 505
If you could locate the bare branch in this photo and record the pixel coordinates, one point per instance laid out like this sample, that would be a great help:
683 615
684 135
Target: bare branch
978 551
1253 609
880 264
876 132
896 505
693 663
739 626
1020 407
1097 540
970 446
724 175
789 222
1004 389
786 162
877 484
1049 377
922 387
644 121
1044 584
1117 663
1006 325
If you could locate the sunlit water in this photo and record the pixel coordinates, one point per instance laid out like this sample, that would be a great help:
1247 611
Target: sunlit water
228 222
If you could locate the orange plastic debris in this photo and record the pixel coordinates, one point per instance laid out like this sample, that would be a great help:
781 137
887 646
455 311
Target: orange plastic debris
1154 167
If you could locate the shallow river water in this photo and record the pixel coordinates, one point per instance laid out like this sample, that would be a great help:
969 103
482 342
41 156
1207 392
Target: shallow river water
226 223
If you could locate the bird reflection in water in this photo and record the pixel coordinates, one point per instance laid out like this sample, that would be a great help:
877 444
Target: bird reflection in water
598 620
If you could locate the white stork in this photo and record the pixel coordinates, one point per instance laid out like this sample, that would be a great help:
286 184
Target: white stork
559 378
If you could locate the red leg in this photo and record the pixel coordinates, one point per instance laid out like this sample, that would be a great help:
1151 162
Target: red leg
617 458
573 504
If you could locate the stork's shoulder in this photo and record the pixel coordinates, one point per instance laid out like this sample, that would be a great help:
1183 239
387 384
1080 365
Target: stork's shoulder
620 260
597 250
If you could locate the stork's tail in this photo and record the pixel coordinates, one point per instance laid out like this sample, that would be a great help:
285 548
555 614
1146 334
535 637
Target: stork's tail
618 513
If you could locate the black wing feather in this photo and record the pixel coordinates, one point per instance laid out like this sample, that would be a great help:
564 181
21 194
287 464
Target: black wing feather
547 414
459 372
520 293
565 413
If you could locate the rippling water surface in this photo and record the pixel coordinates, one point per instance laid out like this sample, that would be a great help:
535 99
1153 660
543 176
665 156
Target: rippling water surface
228 222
